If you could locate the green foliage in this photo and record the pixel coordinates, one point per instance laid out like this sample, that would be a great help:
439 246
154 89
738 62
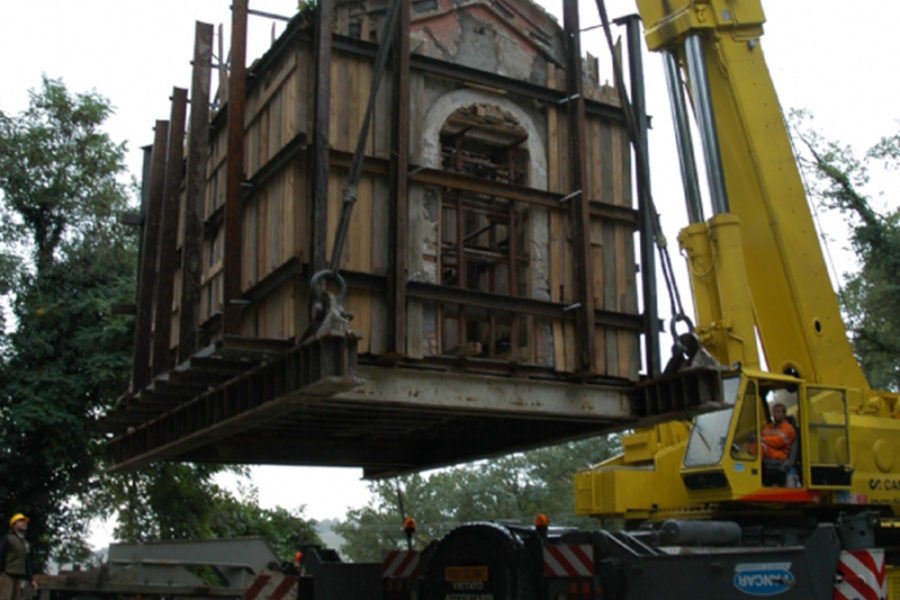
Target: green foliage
871 297
58 171
64 261
285 530
516 487
169 501
66 360
306 7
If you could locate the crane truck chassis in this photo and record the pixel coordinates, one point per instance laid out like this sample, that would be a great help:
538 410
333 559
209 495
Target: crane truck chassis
674 559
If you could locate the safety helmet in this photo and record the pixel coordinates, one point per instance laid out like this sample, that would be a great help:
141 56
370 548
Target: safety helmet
18 517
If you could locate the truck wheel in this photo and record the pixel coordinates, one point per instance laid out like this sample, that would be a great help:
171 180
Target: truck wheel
479 560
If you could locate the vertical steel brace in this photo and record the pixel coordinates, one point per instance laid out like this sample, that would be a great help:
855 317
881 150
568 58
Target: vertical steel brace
195 192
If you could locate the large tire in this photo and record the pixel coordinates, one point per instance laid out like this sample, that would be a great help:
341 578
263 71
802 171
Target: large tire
501 551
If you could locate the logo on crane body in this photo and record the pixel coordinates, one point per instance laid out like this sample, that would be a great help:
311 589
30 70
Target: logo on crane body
763 579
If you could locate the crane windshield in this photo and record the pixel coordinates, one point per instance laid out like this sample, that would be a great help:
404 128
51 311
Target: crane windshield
709 433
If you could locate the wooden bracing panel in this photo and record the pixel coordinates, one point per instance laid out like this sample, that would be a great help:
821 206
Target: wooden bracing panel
482 281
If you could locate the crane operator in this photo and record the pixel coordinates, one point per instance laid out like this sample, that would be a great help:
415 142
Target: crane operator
778 435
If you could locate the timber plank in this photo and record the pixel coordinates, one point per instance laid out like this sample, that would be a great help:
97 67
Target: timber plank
337 179
380 225
261 246
290 107
249 236
286 238
358 302
276 118
263 151
556 292
610 292
361 223
275 226
302 235
264 96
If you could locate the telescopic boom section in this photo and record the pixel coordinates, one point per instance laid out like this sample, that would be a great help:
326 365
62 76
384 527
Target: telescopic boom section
779 288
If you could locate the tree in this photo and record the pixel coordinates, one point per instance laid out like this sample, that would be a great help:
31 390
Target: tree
516 487
285 530
169 501
64 261
65 363
59 172
870 298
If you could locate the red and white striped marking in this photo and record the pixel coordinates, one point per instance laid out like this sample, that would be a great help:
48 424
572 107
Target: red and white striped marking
271 586
862 576
400 563
569 560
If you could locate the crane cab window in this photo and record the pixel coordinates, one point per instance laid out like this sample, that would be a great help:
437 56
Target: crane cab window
747 426
709 433
828 438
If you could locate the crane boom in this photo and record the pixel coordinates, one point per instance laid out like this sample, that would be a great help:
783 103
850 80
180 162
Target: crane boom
773 283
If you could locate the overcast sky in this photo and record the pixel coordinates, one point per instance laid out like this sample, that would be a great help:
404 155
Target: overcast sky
835 58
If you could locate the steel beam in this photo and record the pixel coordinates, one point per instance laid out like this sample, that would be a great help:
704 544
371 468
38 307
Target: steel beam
399 182
391 417
482 394
293 270
195 194
579 209
241 557
461 181
297 149
398 453
168 237
528 306
645 205
320 167
319 367
143 325
234 170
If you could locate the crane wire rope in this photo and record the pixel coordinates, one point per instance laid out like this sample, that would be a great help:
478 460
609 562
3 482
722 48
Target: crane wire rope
643 172
348 196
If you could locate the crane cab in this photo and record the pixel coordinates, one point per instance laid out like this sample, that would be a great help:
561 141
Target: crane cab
716 463
727 459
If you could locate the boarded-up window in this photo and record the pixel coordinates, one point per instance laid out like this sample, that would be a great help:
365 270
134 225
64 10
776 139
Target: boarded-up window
484 244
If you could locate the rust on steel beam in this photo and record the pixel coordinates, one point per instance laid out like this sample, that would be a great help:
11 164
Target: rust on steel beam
234 170
319 204
579 211
195 192
143 325
168 234
399 189
318 368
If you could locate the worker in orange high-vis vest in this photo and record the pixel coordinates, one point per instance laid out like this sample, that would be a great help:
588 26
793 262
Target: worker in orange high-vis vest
778 435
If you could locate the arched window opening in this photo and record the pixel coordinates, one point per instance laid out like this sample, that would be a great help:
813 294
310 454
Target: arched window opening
484 236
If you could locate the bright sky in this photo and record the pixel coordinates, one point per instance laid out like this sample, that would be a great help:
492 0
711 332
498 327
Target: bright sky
838 59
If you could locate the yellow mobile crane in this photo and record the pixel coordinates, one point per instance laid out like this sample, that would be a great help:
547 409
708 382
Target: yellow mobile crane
718 520
757 272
